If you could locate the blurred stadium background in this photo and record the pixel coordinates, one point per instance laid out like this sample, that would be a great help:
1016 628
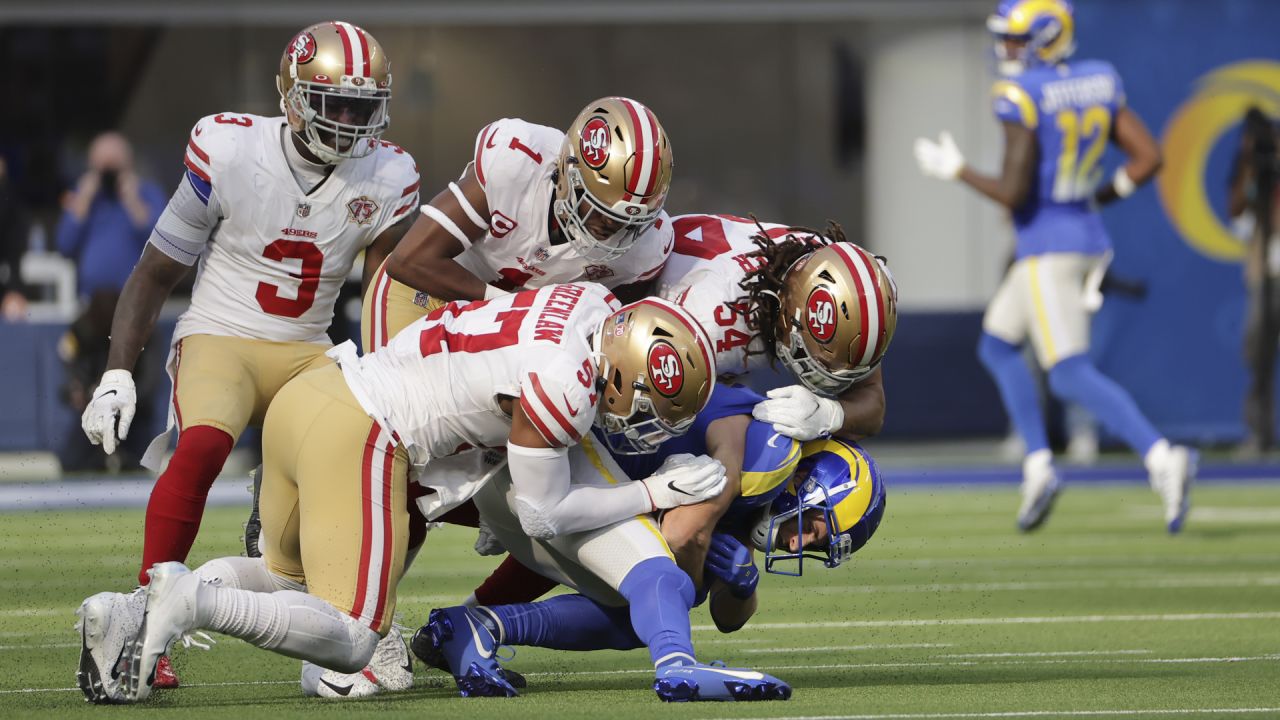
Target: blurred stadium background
797 112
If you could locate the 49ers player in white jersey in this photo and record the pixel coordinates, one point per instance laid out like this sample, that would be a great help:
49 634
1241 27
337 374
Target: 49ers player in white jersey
536 206
531 372
275 210
767 292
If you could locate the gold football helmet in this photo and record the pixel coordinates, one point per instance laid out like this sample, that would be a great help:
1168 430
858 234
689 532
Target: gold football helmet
656 371
613 174
839 309
335 84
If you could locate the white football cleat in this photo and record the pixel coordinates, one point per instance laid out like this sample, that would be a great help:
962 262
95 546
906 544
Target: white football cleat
108 622
1173 470
1040 486
390 670
170 613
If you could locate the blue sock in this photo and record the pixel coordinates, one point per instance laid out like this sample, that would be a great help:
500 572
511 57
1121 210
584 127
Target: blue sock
661 595
565 622
1017 389
1077 380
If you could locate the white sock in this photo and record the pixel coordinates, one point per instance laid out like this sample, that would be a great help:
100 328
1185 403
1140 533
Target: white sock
1155 457
291 623
245 574
1040 458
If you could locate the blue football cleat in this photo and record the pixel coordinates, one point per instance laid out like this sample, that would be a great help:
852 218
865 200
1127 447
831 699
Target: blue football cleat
459 636
691 683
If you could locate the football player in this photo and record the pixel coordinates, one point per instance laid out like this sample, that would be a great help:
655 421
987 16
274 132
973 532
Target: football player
823 501
531 372
825 308
275 210
536 206
1058 116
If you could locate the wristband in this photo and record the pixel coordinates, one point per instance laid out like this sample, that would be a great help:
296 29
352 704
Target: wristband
1122 183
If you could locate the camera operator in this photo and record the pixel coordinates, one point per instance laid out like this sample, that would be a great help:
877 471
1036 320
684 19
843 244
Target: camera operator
1252 204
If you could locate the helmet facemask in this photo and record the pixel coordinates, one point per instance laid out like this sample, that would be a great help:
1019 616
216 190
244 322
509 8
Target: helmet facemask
641 430
809 370
837 547
579 210
338 122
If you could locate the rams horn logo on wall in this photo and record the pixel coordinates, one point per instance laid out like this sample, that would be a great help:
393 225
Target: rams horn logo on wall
303 48
665 370
361 210
1219 105
593 145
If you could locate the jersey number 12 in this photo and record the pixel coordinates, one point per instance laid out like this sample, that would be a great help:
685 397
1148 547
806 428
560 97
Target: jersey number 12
1078 174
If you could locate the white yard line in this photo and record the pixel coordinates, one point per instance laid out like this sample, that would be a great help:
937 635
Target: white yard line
1032 713
1064 653
1171 617
1267 580
899 646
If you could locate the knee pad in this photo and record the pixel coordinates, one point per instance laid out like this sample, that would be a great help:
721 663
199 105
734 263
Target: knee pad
661 574
992 350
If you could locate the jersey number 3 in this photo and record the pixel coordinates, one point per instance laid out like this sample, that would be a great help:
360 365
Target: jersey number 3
268 295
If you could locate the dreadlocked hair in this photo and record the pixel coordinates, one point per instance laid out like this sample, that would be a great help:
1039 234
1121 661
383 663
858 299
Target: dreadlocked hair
762 305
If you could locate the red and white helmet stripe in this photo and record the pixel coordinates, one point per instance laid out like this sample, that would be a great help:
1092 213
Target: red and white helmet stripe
647 164
871 304
355 49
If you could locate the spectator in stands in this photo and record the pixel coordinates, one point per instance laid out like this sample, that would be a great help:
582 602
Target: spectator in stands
106 220
1254 205
13 244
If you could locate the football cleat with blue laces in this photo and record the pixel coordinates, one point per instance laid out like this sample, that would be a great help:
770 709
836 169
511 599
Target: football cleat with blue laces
461 638
699 682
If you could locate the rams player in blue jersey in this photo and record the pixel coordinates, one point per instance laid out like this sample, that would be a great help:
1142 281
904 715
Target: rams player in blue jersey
821 500
1058 117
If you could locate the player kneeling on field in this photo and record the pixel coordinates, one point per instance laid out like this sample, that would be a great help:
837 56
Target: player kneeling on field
531 371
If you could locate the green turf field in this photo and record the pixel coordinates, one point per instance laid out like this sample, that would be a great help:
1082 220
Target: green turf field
946 613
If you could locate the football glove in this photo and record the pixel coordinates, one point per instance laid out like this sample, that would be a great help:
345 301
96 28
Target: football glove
940 159
729 561
684 479
107 418
798 413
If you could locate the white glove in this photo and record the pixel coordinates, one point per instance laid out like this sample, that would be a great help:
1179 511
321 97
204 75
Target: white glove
684 479
107 418
798 413
940 159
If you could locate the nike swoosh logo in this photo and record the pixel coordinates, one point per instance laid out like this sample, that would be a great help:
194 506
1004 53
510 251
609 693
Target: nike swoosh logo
740 674
773 438
341 690
667 249
475 638
673 487
489 143
573 411
199 130
109 392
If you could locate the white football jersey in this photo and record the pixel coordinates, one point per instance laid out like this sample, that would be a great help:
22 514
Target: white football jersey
703 275
273 266
514 161
435 386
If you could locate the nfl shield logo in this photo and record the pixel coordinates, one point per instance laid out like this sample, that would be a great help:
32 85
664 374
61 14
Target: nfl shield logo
361 210
304 210
541 254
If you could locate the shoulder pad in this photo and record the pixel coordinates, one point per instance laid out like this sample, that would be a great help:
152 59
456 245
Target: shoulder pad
1012 102
512 150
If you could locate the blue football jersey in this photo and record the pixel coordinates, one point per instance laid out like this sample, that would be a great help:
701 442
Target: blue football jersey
768 461
1071 107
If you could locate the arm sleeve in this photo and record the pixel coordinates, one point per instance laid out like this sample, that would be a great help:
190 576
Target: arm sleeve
549 506
187 221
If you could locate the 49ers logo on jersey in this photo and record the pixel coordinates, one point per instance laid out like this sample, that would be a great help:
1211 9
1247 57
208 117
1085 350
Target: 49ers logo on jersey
500 225
593 145
666 373
361 210
303 48
820 315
